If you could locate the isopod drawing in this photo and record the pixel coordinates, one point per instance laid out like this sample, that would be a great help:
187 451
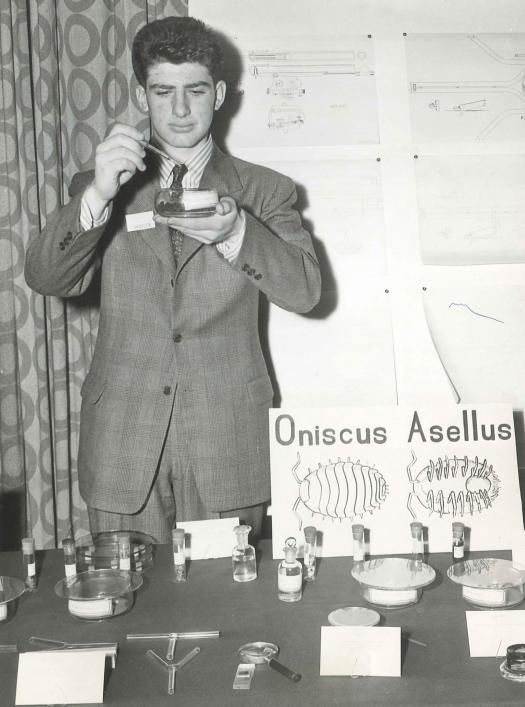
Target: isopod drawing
453 486
339 490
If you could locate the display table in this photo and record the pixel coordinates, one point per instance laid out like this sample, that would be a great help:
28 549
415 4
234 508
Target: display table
440 674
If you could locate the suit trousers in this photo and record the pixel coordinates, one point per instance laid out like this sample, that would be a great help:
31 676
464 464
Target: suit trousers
173 497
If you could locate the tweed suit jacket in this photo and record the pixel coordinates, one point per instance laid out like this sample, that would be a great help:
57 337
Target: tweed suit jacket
190 332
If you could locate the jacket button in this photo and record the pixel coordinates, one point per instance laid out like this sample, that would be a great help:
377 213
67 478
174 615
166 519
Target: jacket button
177 338
167 390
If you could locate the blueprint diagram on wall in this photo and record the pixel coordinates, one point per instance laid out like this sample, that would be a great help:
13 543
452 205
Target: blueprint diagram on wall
471 209
307 91
466 87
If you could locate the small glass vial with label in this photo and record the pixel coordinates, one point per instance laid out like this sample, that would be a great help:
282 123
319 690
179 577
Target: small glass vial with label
124 551
29 560
70 557
309 555
358 543
179 555
290 574
416 530
458 542
243 556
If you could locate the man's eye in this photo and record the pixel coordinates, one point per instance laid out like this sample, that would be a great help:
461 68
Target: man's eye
197 92
161 93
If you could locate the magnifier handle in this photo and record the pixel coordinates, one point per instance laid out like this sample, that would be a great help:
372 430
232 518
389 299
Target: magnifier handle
290 674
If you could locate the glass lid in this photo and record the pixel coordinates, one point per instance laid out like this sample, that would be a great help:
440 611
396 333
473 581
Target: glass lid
98 584
487 573
393 573
10 588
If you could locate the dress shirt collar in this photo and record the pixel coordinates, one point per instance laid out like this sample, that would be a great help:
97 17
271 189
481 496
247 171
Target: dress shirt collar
196 165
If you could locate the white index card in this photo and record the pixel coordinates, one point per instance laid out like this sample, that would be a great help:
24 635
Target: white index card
489 633
60 677
209 538
361 650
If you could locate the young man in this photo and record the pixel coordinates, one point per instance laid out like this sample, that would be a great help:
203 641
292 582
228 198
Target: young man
174 417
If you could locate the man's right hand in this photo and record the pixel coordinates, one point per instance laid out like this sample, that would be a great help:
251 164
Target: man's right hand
117 159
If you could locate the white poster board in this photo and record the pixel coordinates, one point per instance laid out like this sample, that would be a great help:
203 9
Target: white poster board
385 467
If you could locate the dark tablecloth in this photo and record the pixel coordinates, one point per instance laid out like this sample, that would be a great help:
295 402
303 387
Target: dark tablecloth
440 674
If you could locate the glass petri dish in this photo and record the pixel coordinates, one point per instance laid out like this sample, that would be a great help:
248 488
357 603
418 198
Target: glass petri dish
489 583
353 616
393 582
186 203
99 594
10 590
101 551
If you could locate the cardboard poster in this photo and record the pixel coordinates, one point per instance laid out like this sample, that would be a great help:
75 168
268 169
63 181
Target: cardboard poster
384 467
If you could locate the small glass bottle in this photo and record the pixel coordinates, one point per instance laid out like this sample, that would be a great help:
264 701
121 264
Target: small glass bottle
309 555
290 574
179 555
243 556
358 543
124 551
28 558
70 557
416 529
458 542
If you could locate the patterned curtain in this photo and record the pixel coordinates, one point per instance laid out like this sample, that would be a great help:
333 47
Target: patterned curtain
65 78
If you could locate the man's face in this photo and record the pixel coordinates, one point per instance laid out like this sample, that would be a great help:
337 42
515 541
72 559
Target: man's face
181 100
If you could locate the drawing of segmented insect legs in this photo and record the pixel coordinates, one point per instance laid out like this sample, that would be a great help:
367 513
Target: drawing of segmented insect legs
453 486
341 489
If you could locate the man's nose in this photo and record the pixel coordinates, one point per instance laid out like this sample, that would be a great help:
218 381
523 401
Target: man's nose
180 105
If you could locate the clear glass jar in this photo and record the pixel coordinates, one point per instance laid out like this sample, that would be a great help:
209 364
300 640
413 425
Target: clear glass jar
290 574
244 564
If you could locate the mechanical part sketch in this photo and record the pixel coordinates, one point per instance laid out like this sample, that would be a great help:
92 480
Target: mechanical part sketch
342 490
453 486
471 209
306 91
467 87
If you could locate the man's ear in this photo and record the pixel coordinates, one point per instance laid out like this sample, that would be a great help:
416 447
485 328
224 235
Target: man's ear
141 98
220 94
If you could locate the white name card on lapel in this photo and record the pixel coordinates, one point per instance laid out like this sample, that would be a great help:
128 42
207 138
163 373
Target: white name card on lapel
361 650
209 538
60 677
490 632
140 221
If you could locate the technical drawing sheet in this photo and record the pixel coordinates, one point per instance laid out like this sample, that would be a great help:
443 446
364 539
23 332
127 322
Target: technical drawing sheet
467 86
471 209
302 91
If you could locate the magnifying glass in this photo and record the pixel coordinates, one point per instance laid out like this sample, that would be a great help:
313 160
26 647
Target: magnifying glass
264 652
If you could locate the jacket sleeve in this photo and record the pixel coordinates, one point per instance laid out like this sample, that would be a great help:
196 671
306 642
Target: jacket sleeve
63 258
277 253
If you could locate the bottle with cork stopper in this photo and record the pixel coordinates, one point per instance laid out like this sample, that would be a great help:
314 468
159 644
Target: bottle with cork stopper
309 555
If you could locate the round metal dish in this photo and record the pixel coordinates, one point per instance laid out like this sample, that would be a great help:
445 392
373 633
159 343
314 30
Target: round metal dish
353 616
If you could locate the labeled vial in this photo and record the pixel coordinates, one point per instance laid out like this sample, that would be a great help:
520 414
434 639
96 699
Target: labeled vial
358 543
458 542
70 557
243 556
416 530
29 560
309 555
124 550
179 555
290 574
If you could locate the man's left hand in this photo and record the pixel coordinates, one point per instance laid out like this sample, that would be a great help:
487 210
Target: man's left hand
207 229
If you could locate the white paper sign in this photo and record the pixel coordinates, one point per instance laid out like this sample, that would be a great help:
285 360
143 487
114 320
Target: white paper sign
385 467
140 222
60 677
490 632
361 650
206 539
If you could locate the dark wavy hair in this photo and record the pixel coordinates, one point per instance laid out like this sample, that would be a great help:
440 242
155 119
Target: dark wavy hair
178 40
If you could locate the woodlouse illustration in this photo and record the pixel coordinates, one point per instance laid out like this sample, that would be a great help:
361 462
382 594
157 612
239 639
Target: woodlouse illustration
340 490
453 486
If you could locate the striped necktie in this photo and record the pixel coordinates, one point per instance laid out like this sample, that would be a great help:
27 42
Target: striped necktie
177 237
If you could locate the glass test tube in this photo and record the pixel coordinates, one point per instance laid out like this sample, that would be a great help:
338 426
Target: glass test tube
358 542
179 556
309 555
70 557
28 558
124 550
416 530
458 542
